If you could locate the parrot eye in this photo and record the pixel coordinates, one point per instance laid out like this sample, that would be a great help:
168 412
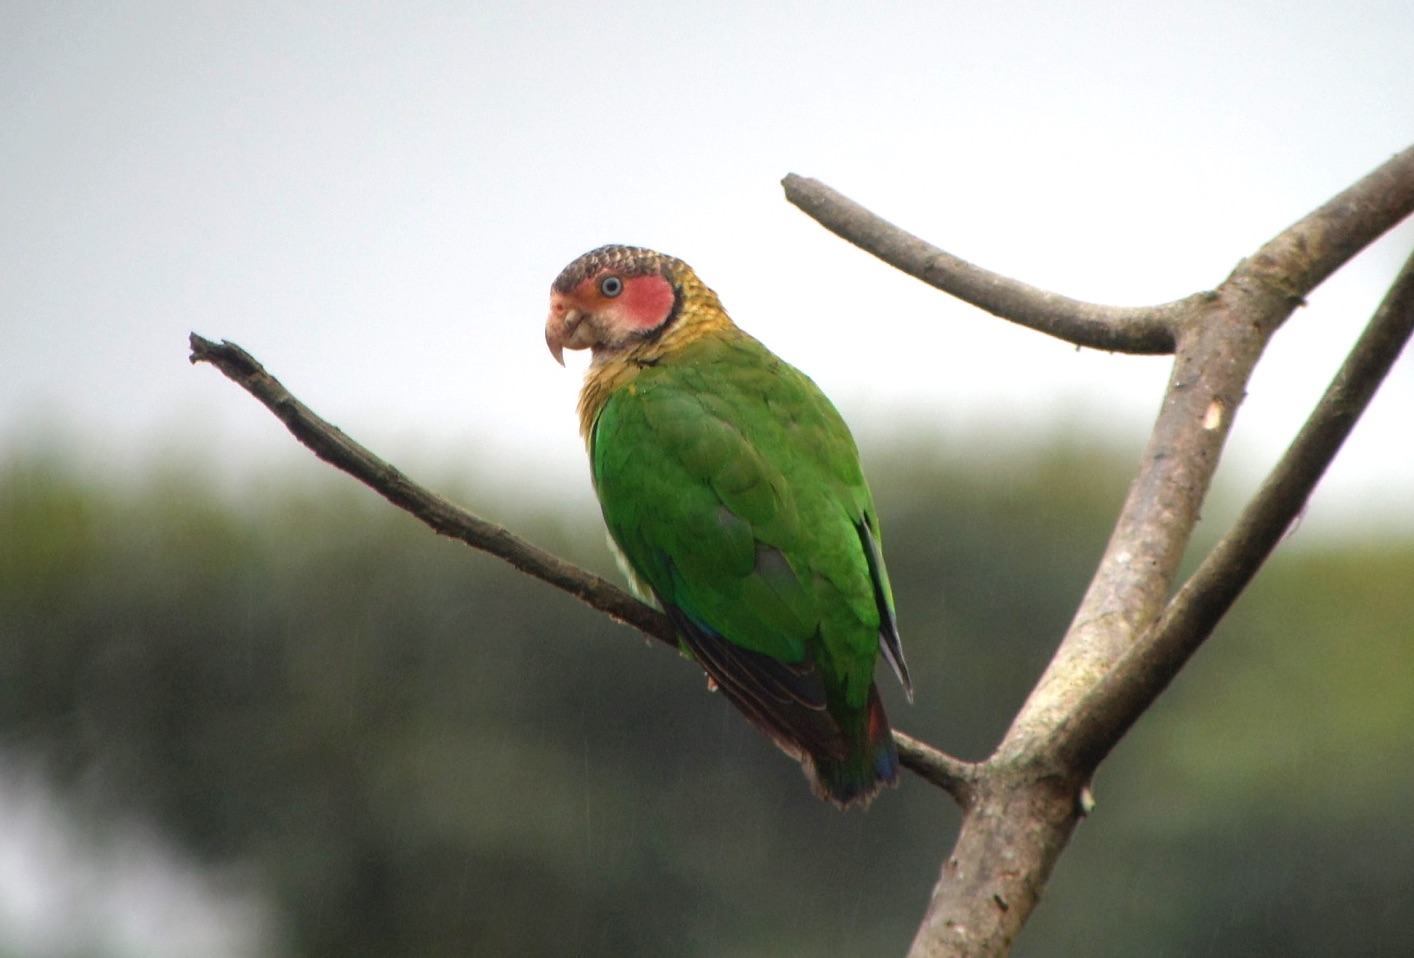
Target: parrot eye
611 286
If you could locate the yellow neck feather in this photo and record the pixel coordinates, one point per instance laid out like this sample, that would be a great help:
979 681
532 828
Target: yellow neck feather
701 315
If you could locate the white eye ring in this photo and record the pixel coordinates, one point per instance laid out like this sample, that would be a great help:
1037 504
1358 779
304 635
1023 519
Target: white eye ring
611 286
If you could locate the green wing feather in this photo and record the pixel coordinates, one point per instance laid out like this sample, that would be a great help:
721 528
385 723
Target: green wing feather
733 489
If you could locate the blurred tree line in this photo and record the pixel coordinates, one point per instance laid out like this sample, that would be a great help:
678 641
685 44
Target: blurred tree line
416 751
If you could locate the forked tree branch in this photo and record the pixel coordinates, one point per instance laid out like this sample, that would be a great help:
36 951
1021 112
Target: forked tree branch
1112 706
1029 795
329 443
1220 340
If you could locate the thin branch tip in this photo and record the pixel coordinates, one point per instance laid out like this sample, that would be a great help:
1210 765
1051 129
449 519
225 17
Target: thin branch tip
226 356
200 348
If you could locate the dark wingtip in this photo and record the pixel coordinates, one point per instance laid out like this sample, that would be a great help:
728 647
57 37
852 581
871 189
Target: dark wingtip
891 645
889 642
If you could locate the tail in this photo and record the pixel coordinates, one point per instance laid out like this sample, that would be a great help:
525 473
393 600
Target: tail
869 763
848 754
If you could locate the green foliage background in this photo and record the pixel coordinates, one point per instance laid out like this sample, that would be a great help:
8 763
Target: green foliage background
417 751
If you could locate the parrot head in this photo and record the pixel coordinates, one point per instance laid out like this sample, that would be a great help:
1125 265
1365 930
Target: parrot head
614 298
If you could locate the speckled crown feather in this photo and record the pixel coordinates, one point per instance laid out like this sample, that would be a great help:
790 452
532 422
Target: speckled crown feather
628 260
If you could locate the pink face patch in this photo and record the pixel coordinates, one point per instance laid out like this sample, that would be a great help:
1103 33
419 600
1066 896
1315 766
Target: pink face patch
646 301
642 303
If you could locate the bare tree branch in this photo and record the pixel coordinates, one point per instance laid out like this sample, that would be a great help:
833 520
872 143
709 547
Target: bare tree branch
1296 261
1208 380
329 443
1144 330
1113 705
1221 339
1027 799
1300 257
1028 796
956 777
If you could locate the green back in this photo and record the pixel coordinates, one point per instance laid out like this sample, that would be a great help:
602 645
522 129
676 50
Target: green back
733 489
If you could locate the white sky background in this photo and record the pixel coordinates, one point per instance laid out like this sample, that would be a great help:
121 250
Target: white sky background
373 198
374 202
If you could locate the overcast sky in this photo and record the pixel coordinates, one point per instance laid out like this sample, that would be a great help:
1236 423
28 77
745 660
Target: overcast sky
373 198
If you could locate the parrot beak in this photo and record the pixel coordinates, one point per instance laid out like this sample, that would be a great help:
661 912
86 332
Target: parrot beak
561 329
555 340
